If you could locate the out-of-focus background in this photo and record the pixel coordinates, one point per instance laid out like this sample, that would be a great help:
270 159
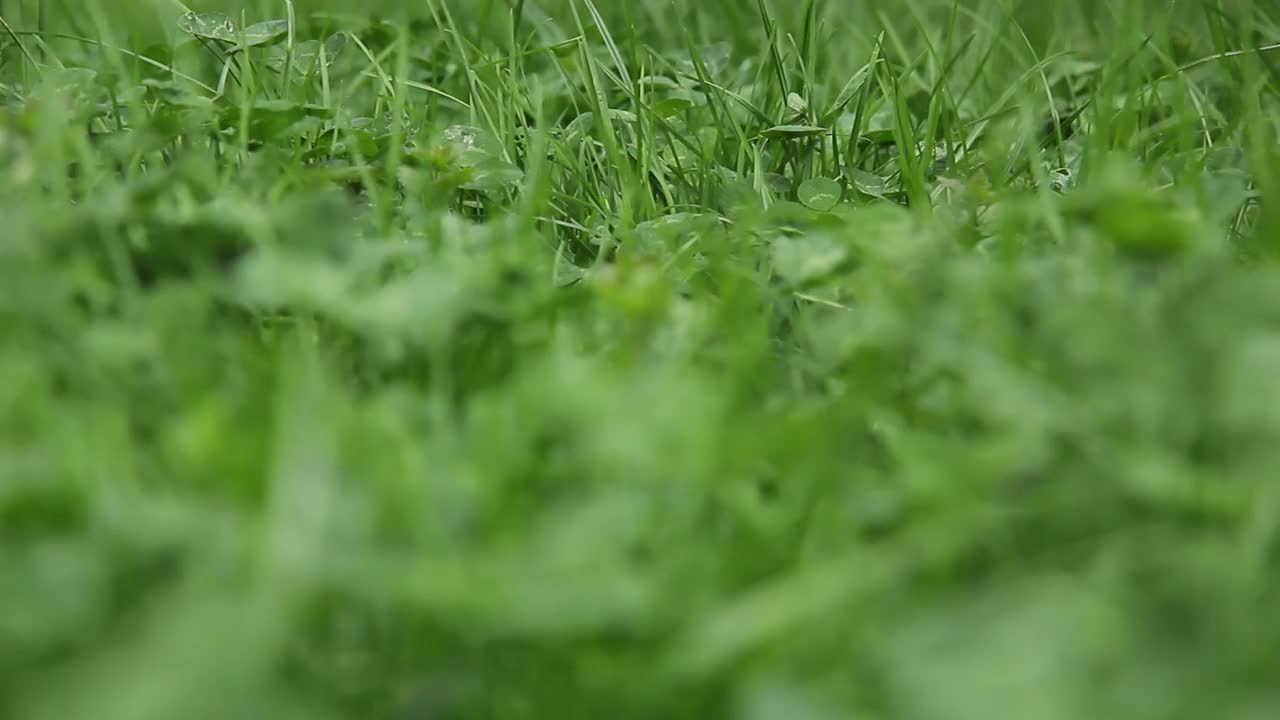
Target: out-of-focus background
639 359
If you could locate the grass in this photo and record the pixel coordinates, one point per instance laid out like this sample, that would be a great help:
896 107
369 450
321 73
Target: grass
573 359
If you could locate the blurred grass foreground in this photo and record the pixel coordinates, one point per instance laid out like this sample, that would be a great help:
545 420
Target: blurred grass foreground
639 359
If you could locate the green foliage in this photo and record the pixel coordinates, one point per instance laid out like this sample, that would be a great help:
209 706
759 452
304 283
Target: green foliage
639 360
821 194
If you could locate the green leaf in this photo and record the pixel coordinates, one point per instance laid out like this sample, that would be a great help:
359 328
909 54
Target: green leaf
882 137
273 118
672 106
794 131
470 145
334 45
210 25
819 193
622 115
778 183
869 183
493 175
306 55
658 81
802 260
263 33
587 120
365 143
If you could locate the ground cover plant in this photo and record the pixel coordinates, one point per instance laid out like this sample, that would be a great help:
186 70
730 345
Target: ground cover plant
643 359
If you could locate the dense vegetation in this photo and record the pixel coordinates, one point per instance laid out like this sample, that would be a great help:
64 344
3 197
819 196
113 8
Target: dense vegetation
639 359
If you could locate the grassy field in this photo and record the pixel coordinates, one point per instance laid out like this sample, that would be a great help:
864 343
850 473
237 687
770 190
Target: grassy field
761 360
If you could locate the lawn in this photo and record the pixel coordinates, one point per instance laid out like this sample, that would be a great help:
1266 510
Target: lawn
639 359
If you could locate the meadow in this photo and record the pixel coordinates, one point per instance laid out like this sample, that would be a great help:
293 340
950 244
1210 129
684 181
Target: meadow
639 359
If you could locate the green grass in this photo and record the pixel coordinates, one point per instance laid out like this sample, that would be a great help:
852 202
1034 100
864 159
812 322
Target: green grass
556 359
